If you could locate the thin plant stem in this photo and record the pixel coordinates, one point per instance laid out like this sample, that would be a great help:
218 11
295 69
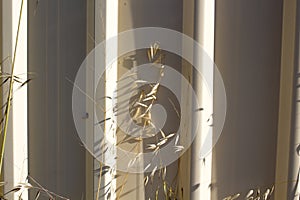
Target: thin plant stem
9 97
122 187
99 182
126 176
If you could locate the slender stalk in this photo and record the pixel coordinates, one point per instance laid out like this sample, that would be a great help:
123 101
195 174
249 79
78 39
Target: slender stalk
122 187
99 182
9 97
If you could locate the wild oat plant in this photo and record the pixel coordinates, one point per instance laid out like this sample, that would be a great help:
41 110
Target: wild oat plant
140 111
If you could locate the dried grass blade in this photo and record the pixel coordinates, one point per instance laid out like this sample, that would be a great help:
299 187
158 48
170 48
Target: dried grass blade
153 173
37 195
249 194
147 167
146 180
235 197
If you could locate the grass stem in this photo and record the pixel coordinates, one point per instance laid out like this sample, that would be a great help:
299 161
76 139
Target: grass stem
10 91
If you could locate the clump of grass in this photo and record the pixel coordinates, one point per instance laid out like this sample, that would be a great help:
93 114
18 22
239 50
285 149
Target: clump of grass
253 195
140 111
20 188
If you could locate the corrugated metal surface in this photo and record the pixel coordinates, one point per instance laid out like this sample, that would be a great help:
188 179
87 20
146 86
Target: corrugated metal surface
56 48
